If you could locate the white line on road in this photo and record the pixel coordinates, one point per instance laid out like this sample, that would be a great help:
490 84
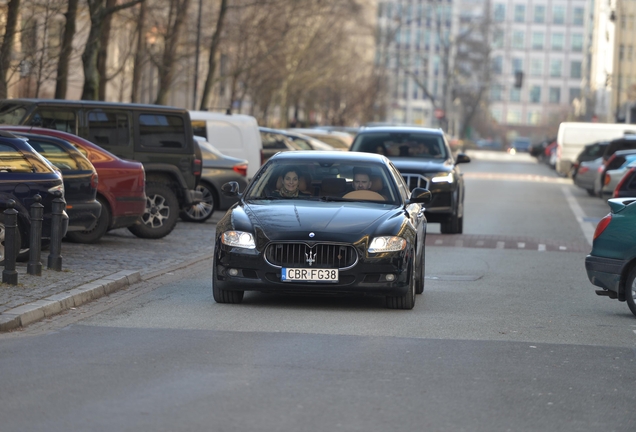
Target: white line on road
500 245
562 248
541 248
587 227
459 243
439 241
521 245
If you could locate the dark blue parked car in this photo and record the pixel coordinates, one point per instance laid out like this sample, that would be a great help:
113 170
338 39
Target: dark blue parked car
79 175
23 174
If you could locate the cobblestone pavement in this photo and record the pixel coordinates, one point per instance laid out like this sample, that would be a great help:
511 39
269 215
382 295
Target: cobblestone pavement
118 250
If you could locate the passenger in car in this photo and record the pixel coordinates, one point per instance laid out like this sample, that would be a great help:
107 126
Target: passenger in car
290 185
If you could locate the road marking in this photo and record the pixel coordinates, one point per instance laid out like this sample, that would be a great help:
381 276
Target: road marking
479 243
500 245
459 243
541 248
439 242
563 248
521 245
587 227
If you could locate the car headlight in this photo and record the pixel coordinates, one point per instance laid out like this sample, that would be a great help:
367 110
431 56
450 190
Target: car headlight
238 239
443 178
387 244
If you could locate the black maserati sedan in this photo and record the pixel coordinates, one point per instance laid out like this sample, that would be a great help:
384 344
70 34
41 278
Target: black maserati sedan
326 223
425 160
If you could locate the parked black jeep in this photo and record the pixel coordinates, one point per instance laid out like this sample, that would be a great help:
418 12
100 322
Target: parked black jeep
158 136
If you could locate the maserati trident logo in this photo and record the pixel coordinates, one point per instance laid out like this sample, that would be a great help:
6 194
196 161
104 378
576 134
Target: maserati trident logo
311 258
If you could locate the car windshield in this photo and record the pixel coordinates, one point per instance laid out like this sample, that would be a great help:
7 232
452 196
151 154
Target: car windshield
416 145
11 113
326 180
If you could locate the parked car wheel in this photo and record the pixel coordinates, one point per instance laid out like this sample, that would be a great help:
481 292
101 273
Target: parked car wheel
162 212
407 301
92 236
2 241
222 295
630 291
202 211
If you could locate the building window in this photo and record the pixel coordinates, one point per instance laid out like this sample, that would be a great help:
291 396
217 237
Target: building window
517 64
535 94
578 14
539 14
555 95
575 93
515 94
513 116
498 39
496 92
577 42
558 14
556 66
557 41
496 114
536 67
534 117
537 40
500 12
497 65
520 13
575 69
518 40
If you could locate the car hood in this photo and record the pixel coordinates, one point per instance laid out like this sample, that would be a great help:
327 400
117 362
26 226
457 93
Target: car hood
411 165
328 221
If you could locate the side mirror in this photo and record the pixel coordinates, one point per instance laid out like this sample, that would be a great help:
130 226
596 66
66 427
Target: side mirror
462 158
230 189
420 195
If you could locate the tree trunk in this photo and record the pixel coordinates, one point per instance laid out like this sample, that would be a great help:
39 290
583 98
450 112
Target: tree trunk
61 81
6 50
166 69
207 88
102 54
138 61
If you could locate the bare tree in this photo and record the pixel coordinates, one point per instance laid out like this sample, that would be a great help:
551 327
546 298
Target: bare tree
214 46
6 49
66 48
98 12
140 49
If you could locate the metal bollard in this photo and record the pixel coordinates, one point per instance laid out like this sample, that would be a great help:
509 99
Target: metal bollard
9 275
55 257
34 267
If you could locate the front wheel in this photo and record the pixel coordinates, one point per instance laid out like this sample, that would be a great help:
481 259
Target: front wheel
162 212
630 291
406 301
222 295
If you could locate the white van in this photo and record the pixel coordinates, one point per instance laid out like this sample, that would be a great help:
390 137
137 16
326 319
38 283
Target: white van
234 135
573 136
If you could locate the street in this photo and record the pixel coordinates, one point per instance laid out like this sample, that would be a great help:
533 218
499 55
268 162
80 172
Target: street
508 336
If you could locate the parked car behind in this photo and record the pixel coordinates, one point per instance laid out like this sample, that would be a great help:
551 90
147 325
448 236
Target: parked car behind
587 175
614 170
611 264
520 144
305 142
218 169
79 176
275 141
590 152
336 139
627 186
425 160
23 174
120 189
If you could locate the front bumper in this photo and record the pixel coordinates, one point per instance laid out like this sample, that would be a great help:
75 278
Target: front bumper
605 272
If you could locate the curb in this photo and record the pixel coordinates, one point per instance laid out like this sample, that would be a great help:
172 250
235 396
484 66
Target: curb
29 313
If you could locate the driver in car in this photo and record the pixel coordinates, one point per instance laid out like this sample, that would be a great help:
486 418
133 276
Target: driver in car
361 179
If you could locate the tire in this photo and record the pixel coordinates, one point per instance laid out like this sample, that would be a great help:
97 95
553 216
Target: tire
162 212
406 301
451 226
460 225
222 295
18 241
419 282
630 291
204 210
101 228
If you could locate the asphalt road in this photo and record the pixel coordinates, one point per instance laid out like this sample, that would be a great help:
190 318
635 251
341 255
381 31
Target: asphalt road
503 339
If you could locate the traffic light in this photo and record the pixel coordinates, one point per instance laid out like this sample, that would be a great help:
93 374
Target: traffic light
518 79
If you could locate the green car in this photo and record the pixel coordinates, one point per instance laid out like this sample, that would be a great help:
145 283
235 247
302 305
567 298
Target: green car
612 263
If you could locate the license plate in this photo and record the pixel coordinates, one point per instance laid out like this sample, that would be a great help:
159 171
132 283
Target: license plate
309 275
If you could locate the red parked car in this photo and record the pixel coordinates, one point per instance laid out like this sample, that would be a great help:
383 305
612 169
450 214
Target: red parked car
120 189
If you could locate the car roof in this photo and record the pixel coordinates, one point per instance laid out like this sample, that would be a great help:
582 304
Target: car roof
312 156
411 129
102 104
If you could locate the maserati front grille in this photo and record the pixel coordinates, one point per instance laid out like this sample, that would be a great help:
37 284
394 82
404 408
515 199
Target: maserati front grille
320 255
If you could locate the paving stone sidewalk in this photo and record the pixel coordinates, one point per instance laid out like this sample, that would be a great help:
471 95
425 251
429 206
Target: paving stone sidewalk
119 259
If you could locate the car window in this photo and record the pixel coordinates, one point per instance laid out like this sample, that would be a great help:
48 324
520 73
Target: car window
60 157
402 144
12 114
300 143
56 118
110 128
161 131
273 141
14 161
199 128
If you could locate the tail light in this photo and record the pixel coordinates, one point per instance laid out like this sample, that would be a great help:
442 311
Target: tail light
606 179
602 225
241 169
57 188
196 167
600 169
94 181
583 170
620 184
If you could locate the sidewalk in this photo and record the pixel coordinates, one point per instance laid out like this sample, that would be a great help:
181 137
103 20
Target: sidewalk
91 271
